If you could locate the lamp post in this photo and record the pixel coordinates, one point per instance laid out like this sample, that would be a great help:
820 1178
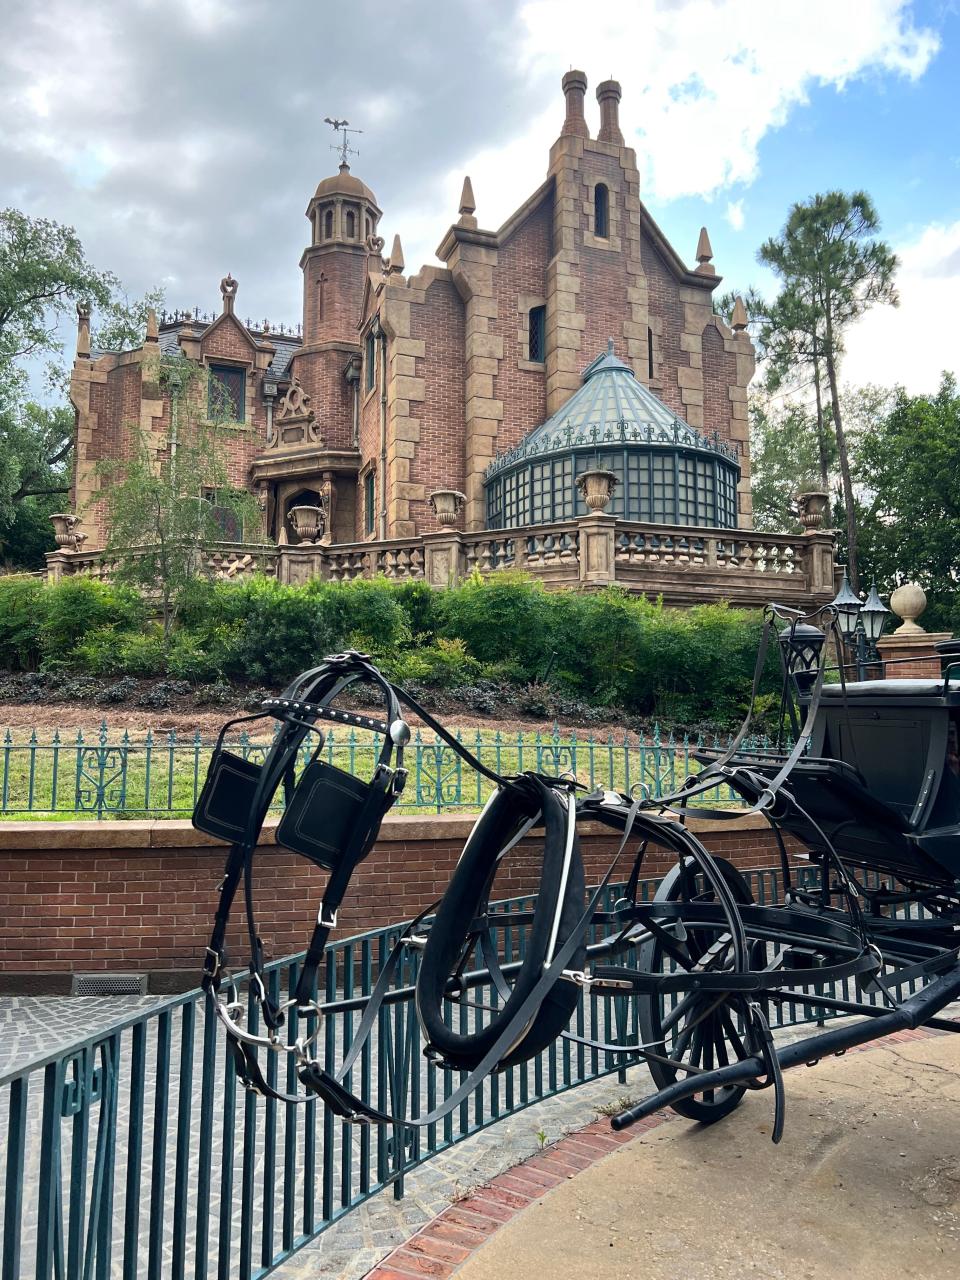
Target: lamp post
861 624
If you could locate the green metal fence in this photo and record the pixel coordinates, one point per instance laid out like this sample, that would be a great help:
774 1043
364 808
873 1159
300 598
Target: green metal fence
107 773
134 1153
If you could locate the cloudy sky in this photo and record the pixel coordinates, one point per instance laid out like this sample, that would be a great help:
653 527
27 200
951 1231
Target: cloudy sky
183 138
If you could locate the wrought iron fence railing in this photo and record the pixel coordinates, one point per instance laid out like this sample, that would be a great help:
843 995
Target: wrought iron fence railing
134 1152
108 773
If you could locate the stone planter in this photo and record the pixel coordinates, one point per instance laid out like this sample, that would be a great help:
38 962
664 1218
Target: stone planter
447 505
812 507
908 601
307 522
596 488
64 530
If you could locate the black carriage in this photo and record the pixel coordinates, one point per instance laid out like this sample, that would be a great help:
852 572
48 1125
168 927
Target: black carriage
865 807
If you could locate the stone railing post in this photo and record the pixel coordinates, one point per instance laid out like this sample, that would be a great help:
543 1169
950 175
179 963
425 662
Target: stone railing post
57 565
443 558
818 567
597 550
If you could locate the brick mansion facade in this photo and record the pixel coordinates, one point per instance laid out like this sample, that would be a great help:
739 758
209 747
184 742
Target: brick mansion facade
573 338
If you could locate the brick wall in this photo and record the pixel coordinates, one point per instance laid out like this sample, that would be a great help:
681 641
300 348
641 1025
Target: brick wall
84 897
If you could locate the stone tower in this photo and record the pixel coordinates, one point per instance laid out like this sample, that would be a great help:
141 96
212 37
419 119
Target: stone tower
343 216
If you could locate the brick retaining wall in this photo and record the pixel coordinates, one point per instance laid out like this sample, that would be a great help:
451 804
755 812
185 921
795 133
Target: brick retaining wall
139 896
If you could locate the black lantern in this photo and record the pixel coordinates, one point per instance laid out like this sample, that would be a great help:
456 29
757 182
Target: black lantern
848 609
873 616
801 645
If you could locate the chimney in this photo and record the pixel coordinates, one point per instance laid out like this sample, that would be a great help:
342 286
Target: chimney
574 88
609 95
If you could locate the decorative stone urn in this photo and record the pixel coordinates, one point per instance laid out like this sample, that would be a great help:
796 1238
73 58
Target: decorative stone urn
307 522
812 507
447 505
64 530
596 488
908 602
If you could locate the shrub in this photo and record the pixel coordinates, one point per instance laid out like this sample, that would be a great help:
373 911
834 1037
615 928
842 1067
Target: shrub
22 601
441 665
262 631
505 616
363 614
76 606
107 652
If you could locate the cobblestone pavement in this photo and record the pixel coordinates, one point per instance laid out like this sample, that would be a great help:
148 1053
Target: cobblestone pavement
33 1026
36 1027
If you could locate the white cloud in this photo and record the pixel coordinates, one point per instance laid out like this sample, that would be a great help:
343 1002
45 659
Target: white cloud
734 214
703 82
913 343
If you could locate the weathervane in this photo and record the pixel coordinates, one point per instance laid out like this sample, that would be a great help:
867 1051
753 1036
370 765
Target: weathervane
343 147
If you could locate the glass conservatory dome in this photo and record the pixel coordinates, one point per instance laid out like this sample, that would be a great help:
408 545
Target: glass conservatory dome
668 472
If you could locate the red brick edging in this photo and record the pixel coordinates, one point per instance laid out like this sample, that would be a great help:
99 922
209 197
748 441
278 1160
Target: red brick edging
439 1247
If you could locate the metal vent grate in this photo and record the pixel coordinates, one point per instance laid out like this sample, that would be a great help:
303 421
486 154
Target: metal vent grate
109 984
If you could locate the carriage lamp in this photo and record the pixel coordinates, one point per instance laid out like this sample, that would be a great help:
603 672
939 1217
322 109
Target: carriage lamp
848 606
801 645
861 624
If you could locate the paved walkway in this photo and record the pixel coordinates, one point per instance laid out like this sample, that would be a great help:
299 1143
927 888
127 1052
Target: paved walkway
865 1186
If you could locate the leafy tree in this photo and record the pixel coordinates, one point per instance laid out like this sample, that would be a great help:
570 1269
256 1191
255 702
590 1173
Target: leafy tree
43 271
910 464
784 461
162 506
124 323
833 269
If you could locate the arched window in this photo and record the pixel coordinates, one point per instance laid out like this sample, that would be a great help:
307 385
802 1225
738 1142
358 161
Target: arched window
537 345
351 226
328 225
649 353
369 228
601 211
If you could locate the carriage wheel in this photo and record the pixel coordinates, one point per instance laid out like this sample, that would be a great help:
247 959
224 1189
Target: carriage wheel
700 1029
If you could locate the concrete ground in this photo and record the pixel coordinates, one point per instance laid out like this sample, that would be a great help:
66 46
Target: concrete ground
864 1186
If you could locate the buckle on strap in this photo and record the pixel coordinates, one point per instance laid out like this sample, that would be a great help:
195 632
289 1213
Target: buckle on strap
326 919
212 962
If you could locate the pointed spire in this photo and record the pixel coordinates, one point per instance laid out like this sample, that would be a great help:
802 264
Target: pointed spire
705 254
83 330
151 325
395 265
468 205
738 320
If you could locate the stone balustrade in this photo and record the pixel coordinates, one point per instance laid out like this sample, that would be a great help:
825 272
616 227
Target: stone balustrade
684 565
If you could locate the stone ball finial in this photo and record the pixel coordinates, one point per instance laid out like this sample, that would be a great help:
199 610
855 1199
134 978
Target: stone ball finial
908 602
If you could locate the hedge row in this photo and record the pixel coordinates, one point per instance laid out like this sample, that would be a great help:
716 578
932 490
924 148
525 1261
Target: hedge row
609 648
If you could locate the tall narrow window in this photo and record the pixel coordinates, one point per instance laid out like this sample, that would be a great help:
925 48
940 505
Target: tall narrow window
537 345
601 211
649 353
328 225
225 393
351 226
370 502
370 361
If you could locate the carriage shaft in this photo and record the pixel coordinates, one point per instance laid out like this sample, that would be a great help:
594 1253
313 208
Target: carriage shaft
914 1012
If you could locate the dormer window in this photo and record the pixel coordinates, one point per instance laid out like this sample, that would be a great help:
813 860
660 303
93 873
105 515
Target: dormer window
226 393
328 225
601 211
